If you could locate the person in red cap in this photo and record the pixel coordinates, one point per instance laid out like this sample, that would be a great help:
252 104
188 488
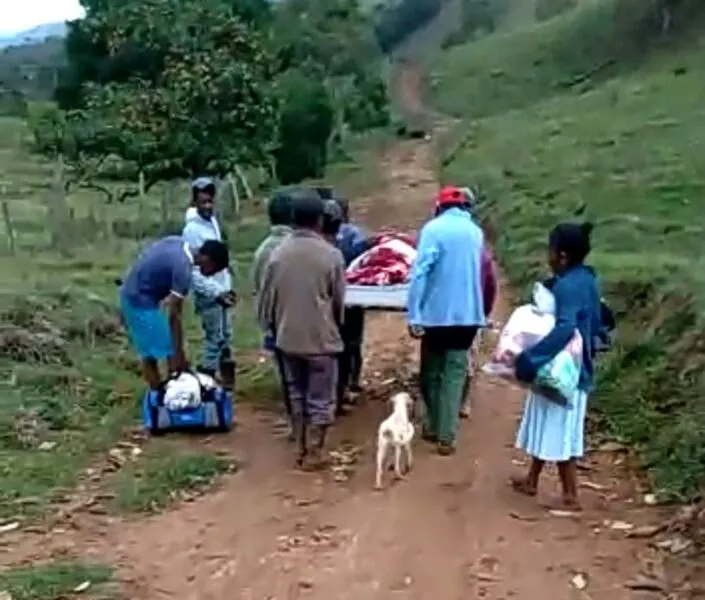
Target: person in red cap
446 307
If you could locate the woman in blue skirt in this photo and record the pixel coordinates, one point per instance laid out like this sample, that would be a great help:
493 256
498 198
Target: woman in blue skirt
550 432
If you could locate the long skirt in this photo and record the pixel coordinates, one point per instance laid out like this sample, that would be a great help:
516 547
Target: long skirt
550 431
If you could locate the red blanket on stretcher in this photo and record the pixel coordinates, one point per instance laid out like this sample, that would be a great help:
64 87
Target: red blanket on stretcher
387 262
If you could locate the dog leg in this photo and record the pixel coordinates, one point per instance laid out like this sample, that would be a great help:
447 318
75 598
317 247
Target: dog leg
397 462
409 458
380 466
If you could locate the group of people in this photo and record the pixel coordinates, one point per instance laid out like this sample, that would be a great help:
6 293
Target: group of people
299 285
298 278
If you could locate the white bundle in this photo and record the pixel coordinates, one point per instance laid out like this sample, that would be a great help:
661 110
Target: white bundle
185 390
527 326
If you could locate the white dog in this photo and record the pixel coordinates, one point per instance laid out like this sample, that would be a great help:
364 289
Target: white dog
396 431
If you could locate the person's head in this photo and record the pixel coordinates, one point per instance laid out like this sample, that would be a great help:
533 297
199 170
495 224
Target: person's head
279 208
212 257
332 219
344 204
568 245
307 209
451 197
203 196
325 192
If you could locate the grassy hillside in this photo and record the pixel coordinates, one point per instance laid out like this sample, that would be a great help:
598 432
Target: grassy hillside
627 153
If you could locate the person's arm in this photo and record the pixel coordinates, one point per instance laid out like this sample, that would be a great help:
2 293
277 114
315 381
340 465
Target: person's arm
257 271
530 361
174 304
338 289
266 299
427 255
360 242
489 281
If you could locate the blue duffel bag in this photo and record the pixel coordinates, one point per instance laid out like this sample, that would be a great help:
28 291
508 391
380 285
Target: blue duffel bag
213 414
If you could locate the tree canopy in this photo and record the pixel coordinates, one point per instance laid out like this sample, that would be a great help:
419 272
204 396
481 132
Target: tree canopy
178 87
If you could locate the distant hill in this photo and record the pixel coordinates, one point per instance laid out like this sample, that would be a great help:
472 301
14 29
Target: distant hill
35 35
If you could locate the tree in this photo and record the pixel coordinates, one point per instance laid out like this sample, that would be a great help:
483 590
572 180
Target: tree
333 43
306 124
187 87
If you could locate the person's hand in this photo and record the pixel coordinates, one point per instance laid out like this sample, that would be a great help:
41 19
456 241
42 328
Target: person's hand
524 369
227 300
416 331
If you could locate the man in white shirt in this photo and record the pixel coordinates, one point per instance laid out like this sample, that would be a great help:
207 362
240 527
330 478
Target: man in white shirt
213 296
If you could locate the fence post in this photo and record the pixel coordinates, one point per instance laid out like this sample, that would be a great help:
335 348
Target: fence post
59 217
9 228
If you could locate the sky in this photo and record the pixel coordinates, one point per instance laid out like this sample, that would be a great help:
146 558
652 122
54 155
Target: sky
18 15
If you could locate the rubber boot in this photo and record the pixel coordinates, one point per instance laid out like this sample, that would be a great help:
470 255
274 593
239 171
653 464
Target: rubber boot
227 373
316 458
300 432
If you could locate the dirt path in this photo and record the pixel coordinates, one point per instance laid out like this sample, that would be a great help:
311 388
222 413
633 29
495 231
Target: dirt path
453 530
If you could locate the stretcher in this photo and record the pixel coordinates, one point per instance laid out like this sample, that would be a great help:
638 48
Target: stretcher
377 297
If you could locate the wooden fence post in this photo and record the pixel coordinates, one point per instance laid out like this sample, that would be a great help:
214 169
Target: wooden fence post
9 228
59 216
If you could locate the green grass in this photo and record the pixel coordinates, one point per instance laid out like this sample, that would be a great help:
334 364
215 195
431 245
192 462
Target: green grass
55 580
628 155
568 54
164 476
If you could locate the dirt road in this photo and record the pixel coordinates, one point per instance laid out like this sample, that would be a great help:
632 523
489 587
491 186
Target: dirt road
453 530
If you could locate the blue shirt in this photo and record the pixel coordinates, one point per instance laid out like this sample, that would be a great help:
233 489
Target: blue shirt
577 297
351 241
164 267
446 280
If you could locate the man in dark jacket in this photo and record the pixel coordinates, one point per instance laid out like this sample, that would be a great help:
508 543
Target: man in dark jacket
352 242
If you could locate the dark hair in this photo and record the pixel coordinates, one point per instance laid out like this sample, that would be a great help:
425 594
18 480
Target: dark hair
466 206
344 204
307 208
332 217
279 208
571 239
325 192
217 252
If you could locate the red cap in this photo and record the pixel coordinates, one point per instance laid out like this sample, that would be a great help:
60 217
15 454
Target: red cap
450 196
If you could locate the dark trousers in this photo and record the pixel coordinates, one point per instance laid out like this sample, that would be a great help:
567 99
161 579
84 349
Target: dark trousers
350 359
311 382
444 363
279 362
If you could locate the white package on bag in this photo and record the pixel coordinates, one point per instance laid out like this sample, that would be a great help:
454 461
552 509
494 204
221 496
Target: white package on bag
528 325
184 391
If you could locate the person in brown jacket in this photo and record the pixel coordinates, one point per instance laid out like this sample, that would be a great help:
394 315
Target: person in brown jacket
301 301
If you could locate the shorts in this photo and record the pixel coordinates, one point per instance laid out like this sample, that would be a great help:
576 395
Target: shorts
148 331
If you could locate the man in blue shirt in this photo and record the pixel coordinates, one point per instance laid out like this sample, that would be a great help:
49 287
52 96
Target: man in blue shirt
445 310
162 276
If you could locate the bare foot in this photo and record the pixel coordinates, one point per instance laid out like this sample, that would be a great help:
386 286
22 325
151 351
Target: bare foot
521 485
